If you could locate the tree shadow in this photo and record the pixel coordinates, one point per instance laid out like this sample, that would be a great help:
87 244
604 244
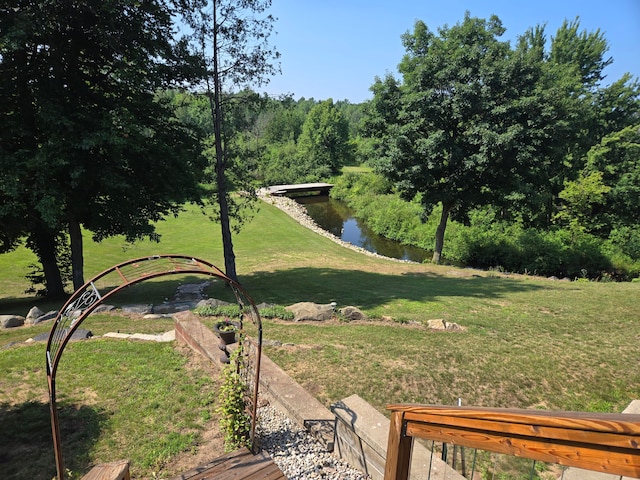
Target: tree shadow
26 442
371 289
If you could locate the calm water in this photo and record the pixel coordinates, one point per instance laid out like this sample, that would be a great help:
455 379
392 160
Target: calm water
335 217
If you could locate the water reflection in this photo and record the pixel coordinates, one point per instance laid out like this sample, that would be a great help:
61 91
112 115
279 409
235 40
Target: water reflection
336 218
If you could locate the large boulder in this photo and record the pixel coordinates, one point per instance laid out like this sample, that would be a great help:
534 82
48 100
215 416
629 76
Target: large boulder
11 321
311 311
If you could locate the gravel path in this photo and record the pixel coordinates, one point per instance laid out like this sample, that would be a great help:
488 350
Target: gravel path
297 453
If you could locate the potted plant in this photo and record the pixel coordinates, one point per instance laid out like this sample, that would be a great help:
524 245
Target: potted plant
226 330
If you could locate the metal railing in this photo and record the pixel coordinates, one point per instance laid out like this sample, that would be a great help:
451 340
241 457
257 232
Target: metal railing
608 443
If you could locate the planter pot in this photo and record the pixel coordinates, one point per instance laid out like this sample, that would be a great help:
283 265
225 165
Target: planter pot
227 335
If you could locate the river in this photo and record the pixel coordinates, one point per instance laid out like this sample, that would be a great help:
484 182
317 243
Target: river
337 218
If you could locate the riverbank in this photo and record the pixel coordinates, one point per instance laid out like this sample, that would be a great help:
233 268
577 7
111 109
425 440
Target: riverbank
299 213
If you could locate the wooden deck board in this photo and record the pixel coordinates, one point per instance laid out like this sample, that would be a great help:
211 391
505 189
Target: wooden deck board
238 465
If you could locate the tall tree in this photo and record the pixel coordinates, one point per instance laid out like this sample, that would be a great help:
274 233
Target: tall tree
458 130
232 39
86 140
323 145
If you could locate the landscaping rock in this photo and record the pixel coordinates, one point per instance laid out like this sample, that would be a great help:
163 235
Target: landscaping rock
50 315
311 311
137 309
211 302
104 308
79 334
33 314
11 321
440 324
352 313
190 292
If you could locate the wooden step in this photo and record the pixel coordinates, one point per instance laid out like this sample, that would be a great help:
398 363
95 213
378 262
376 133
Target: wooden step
238 465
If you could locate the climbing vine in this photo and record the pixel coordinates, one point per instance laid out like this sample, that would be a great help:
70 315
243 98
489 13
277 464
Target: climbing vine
235 422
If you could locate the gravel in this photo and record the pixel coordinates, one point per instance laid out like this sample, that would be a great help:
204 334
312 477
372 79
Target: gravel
296 452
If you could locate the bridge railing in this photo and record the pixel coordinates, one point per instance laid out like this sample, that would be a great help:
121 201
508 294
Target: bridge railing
608 443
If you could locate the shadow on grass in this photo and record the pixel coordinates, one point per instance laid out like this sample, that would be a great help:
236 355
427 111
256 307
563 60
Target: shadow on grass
26 442
369 289
152 291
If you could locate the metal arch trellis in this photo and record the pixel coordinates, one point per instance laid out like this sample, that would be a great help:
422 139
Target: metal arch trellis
88 297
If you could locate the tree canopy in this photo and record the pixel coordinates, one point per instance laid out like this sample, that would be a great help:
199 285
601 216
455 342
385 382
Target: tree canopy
475 121
86 139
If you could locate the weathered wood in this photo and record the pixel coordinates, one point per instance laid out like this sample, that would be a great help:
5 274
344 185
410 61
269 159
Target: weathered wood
398 450
238 465
109 471
608 443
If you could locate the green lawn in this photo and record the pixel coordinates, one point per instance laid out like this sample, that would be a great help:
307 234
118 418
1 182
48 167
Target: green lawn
528 342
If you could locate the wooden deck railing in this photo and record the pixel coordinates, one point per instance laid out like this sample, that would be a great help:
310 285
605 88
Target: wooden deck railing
607 443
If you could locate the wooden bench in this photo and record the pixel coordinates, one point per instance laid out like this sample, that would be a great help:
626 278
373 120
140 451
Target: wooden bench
109 471
238 465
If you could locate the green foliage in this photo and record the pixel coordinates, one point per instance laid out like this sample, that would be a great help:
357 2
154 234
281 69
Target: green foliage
83 127
323 145
581 199
617 158
513 248
234 419
233 311
276 311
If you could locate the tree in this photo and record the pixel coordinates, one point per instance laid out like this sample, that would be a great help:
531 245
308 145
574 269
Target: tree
323 145
86 139
460 129
232 41
617 160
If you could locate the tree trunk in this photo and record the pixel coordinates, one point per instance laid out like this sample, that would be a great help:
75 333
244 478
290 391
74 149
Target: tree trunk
442 226
44 243
221 181
77 258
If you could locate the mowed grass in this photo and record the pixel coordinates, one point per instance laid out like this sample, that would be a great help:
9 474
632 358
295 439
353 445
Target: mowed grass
527 342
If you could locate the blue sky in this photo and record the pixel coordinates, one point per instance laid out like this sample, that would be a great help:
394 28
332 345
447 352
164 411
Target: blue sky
335 48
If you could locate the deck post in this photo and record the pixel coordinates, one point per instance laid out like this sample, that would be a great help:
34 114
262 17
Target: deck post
398 450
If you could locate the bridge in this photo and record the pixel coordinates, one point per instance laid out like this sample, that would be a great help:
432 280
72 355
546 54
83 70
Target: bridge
284 190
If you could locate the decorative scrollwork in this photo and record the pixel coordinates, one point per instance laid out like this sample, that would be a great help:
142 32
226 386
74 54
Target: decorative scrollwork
70 315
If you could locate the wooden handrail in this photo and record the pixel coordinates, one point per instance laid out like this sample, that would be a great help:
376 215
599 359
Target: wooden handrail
608 443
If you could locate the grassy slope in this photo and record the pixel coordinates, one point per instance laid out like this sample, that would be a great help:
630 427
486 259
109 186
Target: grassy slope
529 342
